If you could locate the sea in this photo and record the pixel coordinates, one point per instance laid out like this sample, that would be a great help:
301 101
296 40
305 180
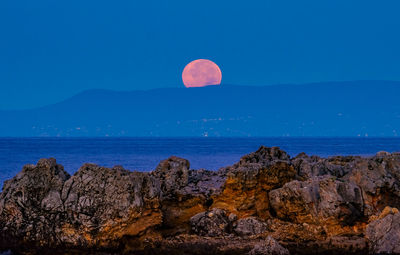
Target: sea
143 154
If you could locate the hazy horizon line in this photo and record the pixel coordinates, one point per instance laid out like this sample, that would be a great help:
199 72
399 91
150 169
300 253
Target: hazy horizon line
192 88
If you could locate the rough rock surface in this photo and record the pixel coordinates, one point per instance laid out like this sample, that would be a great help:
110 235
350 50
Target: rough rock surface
249 226
384 232
265 202
269 247
212 223
95 207
321 200
245 191
31 204
173 175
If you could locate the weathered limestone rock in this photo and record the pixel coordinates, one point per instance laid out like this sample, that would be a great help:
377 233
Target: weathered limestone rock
95 207
309 204
104 205
322 200
269 247
190 196
245 192
211 223
379 179
384 232
31 204
173 174
249 226
308 167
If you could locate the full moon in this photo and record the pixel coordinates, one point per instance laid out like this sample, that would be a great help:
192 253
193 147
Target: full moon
200 73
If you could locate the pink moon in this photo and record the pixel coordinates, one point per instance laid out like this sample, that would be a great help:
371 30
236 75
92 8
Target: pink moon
200 73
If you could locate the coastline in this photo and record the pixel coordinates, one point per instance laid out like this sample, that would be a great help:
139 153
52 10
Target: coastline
304 204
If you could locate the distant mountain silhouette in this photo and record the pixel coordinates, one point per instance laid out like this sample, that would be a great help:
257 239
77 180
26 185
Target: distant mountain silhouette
356 108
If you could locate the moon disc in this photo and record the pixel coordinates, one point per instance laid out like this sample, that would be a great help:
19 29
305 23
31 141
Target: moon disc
200 73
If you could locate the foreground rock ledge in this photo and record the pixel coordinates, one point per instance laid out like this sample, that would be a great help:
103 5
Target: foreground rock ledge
267 203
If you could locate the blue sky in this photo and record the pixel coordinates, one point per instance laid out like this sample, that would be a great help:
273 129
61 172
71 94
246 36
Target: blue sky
50 50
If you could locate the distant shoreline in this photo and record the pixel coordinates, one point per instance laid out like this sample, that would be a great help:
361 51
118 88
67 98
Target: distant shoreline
330 109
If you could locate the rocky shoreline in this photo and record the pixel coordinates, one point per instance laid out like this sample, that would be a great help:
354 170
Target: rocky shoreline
267 203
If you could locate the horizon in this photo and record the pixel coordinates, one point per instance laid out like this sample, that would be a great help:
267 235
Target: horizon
53 50
335 109
199 127
266 68
221 86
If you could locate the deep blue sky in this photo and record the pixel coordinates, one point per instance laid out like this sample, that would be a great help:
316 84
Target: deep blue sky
50 50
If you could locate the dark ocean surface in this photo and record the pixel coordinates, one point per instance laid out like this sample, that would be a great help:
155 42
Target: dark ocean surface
144 154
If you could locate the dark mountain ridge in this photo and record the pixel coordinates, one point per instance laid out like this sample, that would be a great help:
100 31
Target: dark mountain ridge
358 108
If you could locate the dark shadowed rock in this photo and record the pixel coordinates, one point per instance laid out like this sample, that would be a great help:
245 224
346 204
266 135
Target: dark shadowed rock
249 226
264 155
269 247
204 182
173 174
211 223
308 167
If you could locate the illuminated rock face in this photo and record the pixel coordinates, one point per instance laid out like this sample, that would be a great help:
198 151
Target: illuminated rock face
339 204
248 182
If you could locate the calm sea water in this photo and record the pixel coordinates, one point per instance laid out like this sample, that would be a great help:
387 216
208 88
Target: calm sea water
145 153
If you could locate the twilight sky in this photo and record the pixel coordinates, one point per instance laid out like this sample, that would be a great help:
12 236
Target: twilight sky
50 50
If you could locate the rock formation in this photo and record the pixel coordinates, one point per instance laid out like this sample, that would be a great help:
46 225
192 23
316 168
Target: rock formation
384 232
270 247
267 203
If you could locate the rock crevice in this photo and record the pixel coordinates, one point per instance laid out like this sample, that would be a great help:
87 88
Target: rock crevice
267 203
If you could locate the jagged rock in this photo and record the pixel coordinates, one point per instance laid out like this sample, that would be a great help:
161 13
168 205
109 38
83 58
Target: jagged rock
263 156
105 204
45 206
204 182
173 174
31 204
377 176
248 182
308 167
181 204
310 204
320 200
249 226
379 179
384 232
211 223
269 247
